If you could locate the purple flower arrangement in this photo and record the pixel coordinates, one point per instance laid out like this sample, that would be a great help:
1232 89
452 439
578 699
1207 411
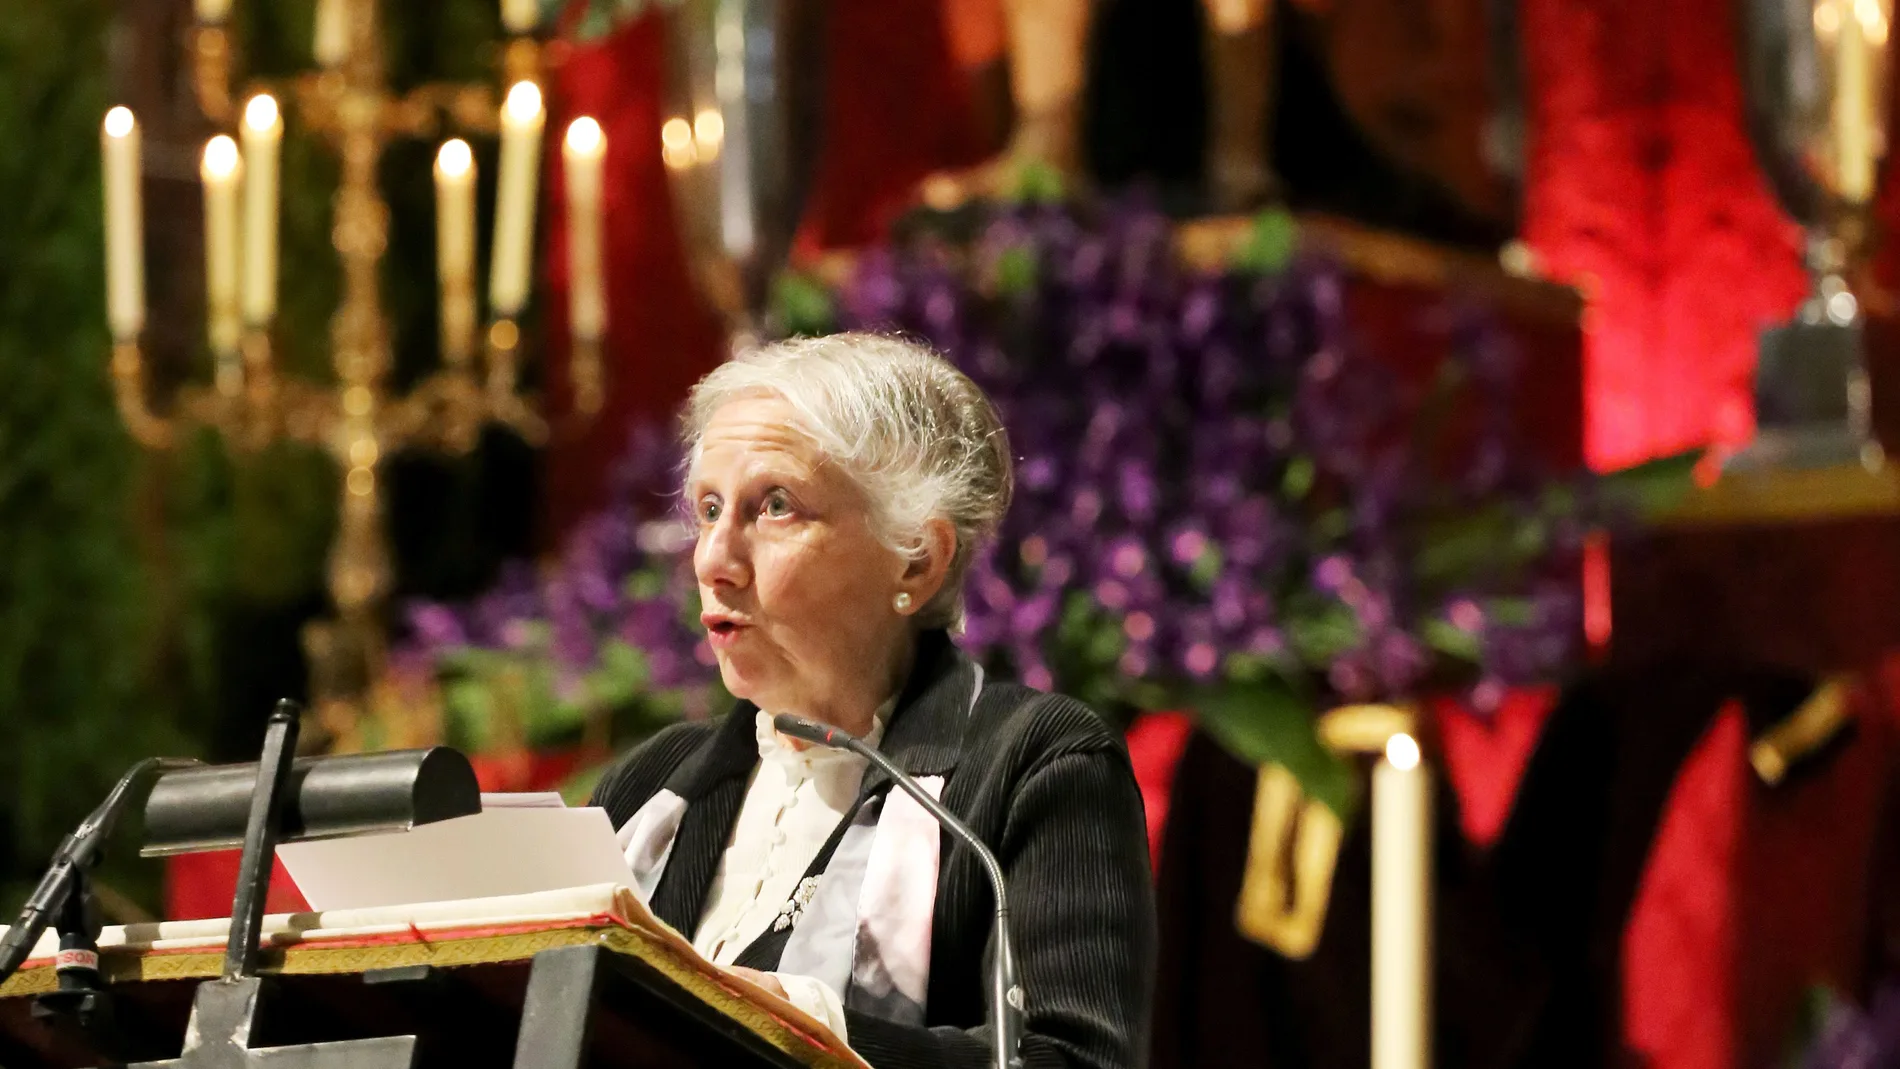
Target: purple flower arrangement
1219 493
1847 1036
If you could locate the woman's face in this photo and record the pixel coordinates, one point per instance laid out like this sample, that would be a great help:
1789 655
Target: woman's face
795 589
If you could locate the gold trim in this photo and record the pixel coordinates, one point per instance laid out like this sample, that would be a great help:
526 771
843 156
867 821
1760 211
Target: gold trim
1293 847
1819 719
1277 908
652 948
1791 495
1365 728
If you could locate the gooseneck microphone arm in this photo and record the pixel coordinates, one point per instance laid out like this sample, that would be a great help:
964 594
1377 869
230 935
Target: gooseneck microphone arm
1006 995
76 853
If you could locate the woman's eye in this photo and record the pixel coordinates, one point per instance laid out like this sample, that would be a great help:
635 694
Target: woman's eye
709 511
776 505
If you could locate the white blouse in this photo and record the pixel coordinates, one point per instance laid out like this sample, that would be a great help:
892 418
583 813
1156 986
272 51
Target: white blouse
792 805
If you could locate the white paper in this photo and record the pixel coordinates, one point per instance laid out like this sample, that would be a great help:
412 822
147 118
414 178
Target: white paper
501 851
524 800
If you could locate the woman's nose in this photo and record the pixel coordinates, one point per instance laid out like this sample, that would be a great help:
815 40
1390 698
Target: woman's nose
720 557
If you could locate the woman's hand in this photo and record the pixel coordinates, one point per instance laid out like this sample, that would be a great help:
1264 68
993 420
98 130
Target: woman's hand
763 979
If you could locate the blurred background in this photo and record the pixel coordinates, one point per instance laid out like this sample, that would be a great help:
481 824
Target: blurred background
1518 374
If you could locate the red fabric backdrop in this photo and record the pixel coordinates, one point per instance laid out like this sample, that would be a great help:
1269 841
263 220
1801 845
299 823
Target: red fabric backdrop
1644 192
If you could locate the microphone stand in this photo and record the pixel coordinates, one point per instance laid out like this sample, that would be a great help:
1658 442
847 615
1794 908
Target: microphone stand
1006 995
64 900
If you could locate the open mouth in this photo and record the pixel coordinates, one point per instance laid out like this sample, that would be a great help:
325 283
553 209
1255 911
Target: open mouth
720 628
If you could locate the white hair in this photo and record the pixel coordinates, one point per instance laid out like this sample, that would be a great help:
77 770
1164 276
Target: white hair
917 437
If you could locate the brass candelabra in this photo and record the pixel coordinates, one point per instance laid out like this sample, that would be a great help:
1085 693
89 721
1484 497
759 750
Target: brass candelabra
358 419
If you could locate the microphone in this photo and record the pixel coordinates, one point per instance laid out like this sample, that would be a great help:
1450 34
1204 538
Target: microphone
75 854
1006 995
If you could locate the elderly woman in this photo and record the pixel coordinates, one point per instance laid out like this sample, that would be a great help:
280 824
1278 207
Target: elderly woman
841 487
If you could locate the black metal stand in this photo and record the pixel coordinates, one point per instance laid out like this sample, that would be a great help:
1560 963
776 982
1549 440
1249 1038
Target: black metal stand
227 1011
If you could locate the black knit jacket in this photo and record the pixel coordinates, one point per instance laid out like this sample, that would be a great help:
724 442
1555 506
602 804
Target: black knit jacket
1049 789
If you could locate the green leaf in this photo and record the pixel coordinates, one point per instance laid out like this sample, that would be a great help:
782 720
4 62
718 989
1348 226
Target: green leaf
1323 632
1206 567
1484 542
621 676
803 304
1510 612
1652 487
1270 244
469 707
1016 271
1037 182
1450 640
646 584
1270 722
1298 479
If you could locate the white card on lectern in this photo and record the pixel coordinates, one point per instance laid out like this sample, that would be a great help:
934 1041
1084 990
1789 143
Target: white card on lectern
500 851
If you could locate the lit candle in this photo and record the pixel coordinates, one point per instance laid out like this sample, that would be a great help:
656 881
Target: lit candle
221 171
263 134
1854 122
1401 908
211 10
521 120
125 253
332 36
581 157
455 247
520 16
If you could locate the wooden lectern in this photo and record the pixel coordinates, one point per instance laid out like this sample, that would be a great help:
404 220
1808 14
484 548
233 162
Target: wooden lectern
562 980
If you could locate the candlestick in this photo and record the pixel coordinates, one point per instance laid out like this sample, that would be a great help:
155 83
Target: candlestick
220 171
331 40
455 247
125 253
521 121
263 133
520 16
1401 908
581 157
213 11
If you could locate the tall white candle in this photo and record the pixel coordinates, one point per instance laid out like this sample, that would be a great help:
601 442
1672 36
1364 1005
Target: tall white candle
211 10
520 16
581 156
221 172
1401 908
455 246
331 40
125 227
263 134
521 121
1853 99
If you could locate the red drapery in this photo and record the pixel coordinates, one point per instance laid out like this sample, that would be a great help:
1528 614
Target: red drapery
1643 191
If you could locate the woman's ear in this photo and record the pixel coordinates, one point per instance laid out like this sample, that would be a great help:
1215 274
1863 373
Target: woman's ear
924 577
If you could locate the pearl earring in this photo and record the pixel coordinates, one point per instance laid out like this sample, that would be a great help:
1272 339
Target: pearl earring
901 602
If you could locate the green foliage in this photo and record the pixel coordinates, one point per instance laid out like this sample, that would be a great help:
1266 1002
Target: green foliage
1269 721
78 614
803 305
1270 245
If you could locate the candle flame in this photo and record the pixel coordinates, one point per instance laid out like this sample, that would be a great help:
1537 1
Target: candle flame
523 103
676 144
584 136
1401 750
455 158
709 129
119 122
221 158
261 112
